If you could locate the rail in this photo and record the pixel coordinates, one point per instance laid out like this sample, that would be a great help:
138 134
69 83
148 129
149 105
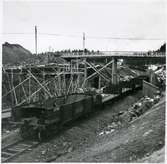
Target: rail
15 149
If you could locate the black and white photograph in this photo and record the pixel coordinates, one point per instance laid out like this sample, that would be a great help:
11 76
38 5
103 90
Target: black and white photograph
83 81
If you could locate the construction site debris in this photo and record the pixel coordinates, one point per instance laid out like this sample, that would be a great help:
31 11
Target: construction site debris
43 152
70 149
158 76
161 74
124 117
147 133
126 78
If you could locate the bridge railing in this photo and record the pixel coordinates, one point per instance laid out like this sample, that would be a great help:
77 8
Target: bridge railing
118 53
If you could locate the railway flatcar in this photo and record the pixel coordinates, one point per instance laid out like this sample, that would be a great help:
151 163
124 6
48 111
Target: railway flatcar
132 84
37 120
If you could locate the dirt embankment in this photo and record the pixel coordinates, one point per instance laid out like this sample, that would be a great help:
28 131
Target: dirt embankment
156 157
139 140
14 54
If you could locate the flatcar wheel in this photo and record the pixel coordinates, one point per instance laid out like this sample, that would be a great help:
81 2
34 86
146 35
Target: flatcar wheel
24 132
41 135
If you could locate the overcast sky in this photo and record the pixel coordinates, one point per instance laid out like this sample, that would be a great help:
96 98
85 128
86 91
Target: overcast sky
98 19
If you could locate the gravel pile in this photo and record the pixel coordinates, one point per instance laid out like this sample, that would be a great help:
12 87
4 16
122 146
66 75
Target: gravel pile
161 74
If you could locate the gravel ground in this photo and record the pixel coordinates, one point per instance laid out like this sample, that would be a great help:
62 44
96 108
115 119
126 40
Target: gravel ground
82 140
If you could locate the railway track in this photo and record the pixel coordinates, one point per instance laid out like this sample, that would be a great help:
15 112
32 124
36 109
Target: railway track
13 150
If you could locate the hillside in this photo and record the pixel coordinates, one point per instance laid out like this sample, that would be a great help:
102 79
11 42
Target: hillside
13 54
162 48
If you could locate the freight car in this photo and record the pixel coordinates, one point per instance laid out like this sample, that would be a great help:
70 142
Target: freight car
132 84
37 120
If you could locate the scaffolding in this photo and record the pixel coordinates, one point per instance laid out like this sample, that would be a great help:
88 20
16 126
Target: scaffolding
37 83
40 82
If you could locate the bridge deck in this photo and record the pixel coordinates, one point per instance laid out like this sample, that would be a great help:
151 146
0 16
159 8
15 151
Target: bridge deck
117 54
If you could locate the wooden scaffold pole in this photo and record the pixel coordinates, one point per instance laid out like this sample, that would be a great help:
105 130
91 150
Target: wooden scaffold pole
15 96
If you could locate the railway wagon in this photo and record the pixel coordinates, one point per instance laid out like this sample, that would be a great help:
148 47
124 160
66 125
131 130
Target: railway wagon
132 84
38 120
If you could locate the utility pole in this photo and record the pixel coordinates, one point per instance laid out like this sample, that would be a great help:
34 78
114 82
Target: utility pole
85 72
83 42
36 40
